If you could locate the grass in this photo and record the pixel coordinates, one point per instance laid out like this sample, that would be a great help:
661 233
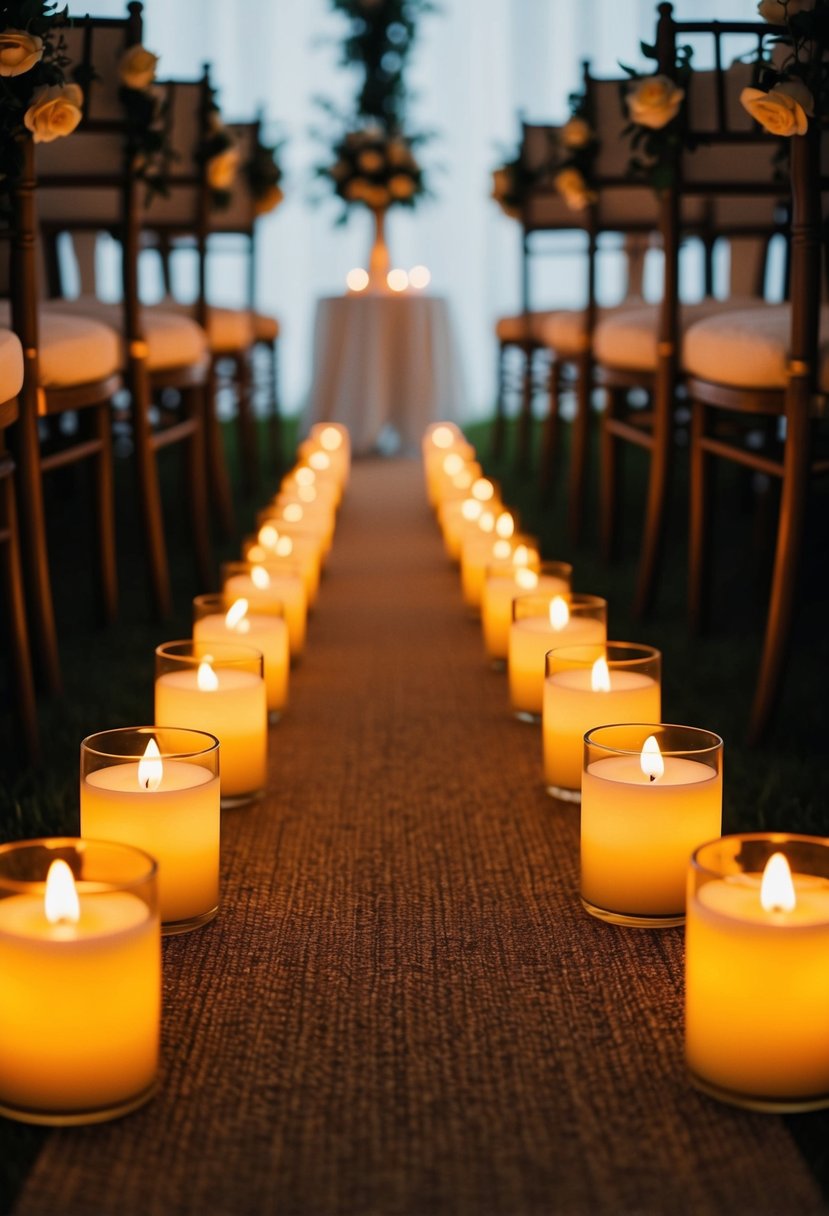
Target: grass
707 682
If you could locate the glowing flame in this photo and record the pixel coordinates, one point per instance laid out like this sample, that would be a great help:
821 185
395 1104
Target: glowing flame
501 550
486 521
483 489
397 279
442 437
60 903
650 759
284 546
305 476
526 579
293 513
357 279
452 464
521 556
268 536
319 461
330 438
559 613
505 524
236 613
420 277
260 578
471 509
206 678
150 768
600 677
777 889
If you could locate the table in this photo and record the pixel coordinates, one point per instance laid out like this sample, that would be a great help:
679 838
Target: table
384 361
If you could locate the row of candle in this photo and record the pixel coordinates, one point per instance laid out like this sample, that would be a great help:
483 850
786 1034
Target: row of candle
81 918
755 907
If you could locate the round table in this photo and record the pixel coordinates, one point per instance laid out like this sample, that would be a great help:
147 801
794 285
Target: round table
384 361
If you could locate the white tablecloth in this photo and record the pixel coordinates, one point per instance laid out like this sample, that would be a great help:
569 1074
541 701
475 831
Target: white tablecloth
384 361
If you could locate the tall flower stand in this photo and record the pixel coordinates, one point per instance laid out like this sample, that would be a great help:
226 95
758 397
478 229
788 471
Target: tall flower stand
379 260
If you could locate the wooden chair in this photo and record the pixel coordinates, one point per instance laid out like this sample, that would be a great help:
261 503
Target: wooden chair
643 349
24 710
758 367
92 187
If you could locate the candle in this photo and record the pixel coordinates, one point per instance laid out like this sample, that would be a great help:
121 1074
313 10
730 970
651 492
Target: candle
504 582
318 517
159 791
581 691
757 983
284 543
80 999
220 690
541 623
270 586
649 795
266 631
479 549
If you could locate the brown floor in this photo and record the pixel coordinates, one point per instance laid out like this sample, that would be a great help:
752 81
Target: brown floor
401 1007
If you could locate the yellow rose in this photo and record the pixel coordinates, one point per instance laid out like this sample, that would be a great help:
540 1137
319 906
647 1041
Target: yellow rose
55 111
376 196
776 12
137 67
399 153
573 189
654 101
500 183
576 133
370 161
782 111
221 169
269 201
19 52
401 186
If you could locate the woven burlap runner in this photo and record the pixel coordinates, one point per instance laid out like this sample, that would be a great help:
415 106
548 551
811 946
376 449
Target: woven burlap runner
402 1007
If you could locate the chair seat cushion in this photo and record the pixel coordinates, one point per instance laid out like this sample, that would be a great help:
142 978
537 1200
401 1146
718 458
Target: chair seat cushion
173 340
565 332
523 327
73 348
229 330
265 327
627 338
749 349
11 365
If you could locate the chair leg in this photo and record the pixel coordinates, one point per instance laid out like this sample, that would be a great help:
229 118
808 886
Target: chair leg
217 476
194 400
699 513
105 513
793 497
499 423
580 432
550 446
525 418
149 490
653 530
26 712
246 419
609 494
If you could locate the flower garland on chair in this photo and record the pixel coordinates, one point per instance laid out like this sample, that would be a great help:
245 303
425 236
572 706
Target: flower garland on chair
656 129
264 177
513 180
790 90
220 155
146 115
574 180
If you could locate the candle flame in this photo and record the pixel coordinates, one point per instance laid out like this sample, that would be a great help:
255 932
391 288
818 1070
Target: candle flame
501 550
60 903
521 556
505 524
305 476
260 578
526 579
559 612
483 489
319 460
268 536
150 768
284 546
236 613
471 509
442 437
206 678
650 759
330 439
777 889
293 513
452 464
600 677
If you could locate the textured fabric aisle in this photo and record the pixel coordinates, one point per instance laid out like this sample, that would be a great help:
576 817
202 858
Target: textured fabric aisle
401 1007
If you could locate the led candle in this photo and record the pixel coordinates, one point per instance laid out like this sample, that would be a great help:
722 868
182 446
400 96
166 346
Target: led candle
649 795
266 631
218 687
80 999
504 582
159 790
582 691
270 586
541 623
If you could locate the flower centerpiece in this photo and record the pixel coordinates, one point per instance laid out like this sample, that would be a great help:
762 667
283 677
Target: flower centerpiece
35 95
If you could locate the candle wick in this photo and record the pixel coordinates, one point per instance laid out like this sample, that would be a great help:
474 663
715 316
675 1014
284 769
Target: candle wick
147 783
652 776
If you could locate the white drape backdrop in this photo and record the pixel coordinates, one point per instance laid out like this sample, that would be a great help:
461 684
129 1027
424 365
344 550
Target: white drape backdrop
477 65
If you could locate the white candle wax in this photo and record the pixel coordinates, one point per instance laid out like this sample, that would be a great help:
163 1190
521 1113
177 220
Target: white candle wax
267 633
499 592
530 638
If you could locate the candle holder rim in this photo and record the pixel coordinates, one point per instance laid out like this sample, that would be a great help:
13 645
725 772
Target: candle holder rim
212 746
275 607
649 653
578 598
715 745
23 886
164 651
272 561
771 838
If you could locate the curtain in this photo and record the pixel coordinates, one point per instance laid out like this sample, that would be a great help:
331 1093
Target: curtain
477 65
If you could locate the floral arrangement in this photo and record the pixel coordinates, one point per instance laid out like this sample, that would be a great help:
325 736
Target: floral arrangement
790 88
264 177
219 153
574 179
654 107
145 114
35 95
513 180
375 168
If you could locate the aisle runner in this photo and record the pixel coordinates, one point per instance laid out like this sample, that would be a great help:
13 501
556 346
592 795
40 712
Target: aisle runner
401 1007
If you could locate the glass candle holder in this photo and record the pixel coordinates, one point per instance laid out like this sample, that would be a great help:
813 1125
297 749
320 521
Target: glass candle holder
218 687
80 1001
756 980
158 788
316 517
650 793
481 549
541 622
273 544
270 586
263 629
522 574
581 691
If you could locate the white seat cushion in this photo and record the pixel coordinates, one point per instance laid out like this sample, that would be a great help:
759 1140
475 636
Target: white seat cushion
565 331
11 365
626 338
523 327
229 330
265 327
73 349
749 349
173 340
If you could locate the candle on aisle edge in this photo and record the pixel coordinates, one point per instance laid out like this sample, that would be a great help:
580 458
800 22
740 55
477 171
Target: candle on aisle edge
504 582
266 631
267 584
541 623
